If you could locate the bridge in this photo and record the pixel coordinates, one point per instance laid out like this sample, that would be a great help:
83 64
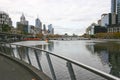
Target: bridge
19 57
8 37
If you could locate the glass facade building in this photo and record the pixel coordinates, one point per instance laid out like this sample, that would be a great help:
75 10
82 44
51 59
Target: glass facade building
38 25
118 11
113 6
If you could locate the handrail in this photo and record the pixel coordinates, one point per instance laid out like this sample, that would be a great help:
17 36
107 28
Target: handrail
69 62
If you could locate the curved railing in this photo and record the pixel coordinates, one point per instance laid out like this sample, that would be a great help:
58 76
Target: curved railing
32 56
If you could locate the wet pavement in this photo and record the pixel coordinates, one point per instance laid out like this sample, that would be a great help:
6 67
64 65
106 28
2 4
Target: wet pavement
10 70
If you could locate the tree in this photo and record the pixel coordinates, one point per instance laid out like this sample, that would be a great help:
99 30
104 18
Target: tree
6 28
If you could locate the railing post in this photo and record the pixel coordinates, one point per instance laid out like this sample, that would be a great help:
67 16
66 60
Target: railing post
51 66
38 61
18 51
11 50
5 50
0 47
71 71
28 57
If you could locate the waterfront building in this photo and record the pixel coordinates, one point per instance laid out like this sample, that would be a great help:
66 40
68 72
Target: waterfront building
108 19
95 28
115 16
114 28
50 29
5 20
22 26
38 25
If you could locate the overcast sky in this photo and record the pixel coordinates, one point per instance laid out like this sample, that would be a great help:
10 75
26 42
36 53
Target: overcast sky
67 16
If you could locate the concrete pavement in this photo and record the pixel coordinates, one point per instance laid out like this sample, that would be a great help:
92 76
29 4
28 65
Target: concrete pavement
9 70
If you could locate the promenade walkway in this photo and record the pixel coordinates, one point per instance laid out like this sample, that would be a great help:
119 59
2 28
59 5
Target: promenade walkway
10 70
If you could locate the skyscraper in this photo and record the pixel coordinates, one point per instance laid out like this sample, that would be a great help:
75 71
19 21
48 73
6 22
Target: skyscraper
50 29
44 29
23 20
113 6
22 26
38 25
113 11
118 11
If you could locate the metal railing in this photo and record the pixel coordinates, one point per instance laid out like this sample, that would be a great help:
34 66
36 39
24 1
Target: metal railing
17 51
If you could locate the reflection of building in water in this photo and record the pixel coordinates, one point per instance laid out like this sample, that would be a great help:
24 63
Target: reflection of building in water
109 53
102 53
44 47
90 48
22 51
115 63
51 46
39 46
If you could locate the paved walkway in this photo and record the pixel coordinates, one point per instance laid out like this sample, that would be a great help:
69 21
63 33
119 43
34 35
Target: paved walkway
9 70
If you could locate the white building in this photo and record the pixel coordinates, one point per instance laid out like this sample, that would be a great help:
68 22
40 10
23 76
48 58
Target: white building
105 20
90 29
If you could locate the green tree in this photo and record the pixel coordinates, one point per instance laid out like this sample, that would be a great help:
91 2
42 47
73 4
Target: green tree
6 28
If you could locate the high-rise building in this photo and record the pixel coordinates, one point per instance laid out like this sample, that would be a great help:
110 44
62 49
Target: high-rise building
113 6
106 20
38 25
44 29
23 20
50 29
118 11
22 26
113 11
5 20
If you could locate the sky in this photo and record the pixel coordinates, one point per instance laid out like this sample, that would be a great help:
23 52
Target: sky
66 16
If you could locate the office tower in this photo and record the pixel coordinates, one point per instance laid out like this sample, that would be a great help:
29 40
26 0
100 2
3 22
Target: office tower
113 11
118 11
22 26
50 29
38 25
113 6
44 29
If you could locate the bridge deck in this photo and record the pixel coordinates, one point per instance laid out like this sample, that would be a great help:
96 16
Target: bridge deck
9 70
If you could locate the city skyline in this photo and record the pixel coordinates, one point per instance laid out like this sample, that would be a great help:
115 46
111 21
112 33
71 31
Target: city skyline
67 16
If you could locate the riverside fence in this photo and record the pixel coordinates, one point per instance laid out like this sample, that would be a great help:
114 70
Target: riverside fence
55 66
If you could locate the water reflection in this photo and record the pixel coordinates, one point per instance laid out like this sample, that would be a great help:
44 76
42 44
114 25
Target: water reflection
49 46
109 53
91 53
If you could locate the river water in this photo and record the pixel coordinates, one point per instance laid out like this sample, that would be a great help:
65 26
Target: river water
100 54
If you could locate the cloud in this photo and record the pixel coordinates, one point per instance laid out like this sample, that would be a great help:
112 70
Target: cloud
69 14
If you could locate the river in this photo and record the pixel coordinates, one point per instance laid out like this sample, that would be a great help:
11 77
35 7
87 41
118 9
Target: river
100 54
